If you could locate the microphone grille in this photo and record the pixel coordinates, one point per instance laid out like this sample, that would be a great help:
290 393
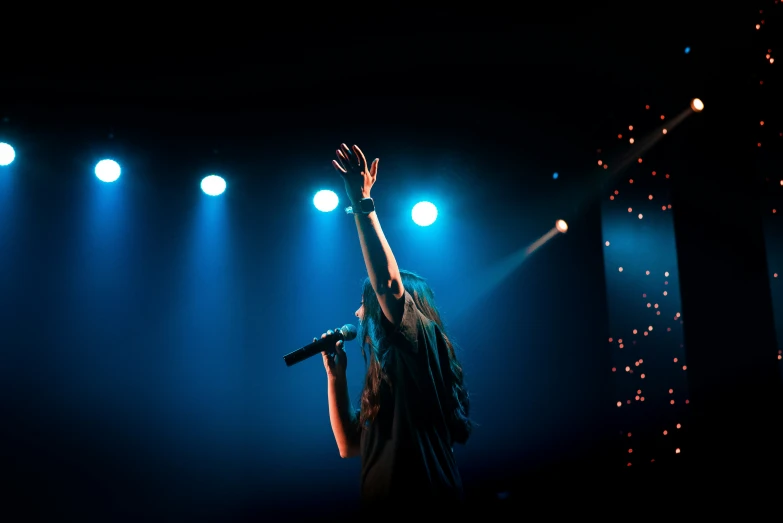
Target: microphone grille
349 332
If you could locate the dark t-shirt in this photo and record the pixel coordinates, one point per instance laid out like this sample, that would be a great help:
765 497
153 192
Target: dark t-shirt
407 456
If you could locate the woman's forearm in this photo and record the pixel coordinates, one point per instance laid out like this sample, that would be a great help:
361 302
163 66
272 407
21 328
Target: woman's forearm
342 418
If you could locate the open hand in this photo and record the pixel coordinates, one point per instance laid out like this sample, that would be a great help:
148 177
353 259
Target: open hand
358 177
337 362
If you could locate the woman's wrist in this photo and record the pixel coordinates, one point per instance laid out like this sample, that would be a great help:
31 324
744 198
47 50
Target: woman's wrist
355 199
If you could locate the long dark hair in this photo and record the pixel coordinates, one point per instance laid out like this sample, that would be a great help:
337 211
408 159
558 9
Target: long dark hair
372 334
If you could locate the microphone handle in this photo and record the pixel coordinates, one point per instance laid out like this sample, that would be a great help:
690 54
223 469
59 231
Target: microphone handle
317 347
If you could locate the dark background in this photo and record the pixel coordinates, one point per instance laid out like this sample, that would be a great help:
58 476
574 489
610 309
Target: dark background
143 328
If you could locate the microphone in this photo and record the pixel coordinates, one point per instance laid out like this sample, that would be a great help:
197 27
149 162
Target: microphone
346 332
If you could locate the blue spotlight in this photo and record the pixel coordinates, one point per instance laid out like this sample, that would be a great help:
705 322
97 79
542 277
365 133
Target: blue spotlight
687 50
7 154
213 185
554 176
107 171
424 214
325 201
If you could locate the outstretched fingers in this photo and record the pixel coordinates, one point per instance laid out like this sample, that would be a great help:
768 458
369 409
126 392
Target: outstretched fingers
345 150
360 157
339 167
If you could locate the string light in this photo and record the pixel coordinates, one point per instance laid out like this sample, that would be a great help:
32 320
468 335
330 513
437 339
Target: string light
768 137
646 334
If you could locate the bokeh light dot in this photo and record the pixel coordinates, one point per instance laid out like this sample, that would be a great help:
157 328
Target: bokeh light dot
213 185
326 201
7 154
107 171
424 214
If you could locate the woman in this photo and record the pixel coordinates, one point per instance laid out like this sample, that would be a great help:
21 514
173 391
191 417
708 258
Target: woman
414 405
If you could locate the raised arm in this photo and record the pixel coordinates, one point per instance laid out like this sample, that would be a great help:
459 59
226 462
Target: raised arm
378 257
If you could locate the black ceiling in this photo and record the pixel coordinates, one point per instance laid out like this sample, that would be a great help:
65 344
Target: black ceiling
238 56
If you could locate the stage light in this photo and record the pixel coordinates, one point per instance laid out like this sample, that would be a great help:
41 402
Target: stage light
213 185
561 225
424 214
107 171
697 105
325 201
554 176
7 154
687 50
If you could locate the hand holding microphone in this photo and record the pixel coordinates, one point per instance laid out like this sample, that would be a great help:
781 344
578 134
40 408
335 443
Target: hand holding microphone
335 362
330 345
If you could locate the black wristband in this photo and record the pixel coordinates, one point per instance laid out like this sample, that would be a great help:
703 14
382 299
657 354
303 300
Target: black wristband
365 206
